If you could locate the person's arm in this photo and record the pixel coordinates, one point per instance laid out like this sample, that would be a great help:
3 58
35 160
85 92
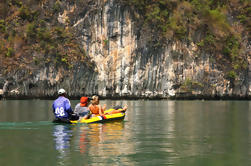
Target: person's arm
90 108
68 107
88 115
100 110
76 110
104 108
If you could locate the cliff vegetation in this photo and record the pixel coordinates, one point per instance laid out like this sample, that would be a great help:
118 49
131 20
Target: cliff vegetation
219 27
32 37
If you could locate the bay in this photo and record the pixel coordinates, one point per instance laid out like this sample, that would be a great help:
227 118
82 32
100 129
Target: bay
154 132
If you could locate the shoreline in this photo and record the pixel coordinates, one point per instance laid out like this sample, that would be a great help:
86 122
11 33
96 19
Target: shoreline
178 97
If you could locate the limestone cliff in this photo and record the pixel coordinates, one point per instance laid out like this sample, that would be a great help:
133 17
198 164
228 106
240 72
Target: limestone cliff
127 60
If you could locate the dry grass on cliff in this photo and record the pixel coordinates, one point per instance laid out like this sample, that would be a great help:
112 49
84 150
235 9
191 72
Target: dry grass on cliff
31 37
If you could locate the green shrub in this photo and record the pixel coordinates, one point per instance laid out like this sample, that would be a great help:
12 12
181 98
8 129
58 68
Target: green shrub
10 52
180 32
56 7
231 47
243 18
244 15
2 26
25 13
16 3
43 34
42 23
200 6
36 61
248 10
201 43
60 33
218 20
210 39
178 28
64 60
106 41
31 30
190 85
231 75
207 42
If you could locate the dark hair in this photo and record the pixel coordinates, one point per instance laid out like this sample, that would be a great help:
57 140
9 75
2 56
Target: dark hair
63 94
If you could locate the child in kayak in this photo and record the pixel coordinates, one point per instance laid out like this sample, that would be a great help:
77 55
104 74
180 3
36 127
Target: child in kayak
98 110
95 108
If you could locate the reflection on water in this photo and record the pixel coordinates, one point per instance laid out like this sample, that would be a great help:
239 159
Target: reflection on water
83 139
62 134
106 140
92 140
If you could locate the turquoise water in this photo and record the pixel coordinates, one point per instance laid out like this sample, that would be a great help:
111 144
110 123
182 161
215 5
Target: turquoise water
183 133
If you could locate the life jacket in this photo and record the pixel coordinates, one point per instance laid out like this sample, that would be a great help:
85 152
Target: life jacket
95 109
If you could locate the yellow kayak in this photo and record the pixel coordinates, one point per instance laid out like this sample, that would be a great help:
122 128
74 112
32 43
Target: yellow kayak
102 119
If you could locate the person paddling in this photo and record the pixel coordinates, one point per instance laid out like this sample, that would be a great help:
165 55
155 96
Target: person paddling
62 109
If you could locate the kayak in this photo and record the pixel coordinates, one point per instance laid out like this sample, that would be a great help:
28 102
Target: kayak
102 119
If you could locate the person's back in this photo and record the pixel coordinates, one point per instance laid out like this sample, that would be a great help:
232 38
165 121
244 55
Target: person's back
62 108
95 109
81 111
81 108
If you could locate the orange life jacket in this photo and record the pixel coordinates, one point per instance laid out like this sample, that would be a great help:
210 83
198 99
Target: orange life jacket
95 109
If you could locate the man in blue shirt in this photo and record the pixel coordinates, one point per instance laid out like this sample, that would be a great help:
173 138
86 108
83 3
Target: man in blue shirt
62 109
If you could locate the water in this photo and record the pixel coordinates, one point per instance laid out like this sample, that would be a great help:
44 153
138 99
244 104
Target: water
182 133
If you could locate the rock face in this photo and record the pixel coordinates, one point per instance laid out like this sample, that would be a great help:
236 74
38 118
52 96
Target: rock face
45 82
126 65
